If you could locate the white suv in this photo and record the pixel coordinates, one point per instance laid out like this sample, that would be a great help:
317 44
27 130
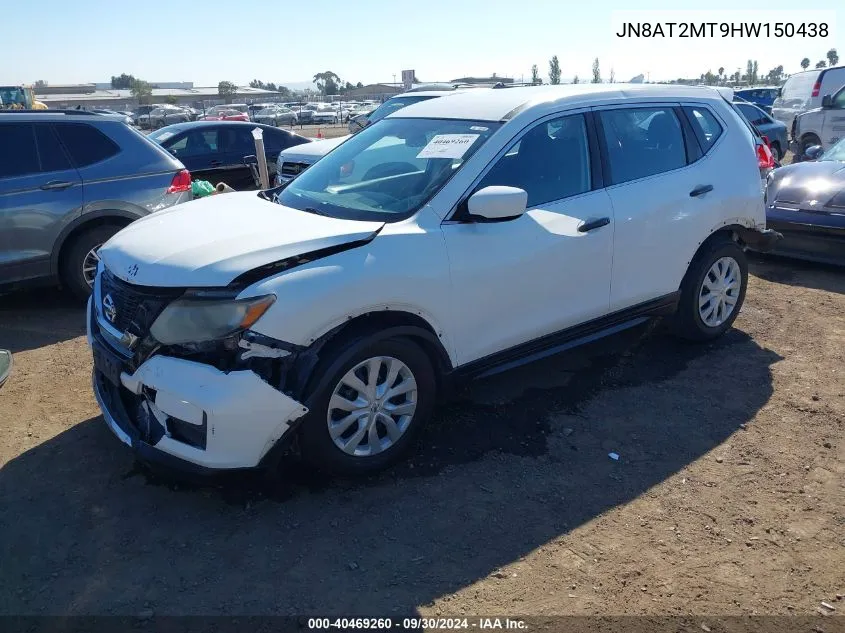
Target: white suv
456 238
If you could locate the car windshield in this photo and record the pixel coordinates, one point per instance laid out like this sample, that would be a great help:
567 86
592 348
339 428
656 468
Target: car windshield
389 170
837 152
392 105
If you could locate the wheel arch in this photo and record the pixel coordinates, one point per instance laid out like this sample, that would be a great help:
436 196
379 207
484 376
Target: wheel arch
376 326
85 222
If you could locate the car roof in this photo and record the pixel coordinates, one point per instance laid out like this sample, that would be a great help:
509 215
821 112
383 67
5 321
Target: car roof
499 104
179 127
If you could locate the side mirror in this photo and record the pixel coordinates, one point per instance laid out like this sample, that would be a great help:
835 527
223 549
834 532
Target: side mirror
827 101
498 203
813 152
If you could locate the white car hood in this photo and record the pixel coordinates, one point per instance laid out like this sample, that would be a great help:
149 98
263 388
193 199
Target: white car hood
210 242
310 152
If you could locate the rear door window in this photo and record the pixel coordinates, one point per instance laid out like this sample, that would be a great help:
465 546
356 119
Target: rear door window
194 143
85 143
642 142
707 129
19 156
237 140
50 151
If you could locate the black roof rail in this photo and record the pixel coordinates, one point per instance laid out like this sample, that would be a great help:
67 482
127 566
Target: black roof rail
85 112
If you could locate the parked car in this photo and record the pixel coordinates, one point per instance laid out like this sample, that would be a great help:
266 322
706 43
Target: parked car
335 308
392 105
293 161
216 151
255 108
213 113
806 203
326 116
823 126
775 131
802 92
71 182
226 115
762 97
168 115
112 115
142 115
276 115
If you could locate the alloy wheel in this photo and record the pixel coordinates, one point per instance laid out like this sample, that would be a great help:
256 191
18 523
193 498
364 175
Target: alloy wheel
89 265
372 406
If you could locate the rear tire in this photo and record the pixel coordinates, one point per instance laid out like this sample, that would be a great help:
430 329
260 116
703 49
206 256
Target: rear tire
713 291
808 141
778 152
337 437
80 254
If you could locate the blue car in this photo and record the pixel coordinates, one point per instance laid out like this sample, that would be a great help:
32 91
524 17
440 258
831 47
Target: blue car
774 130
806 203
763 97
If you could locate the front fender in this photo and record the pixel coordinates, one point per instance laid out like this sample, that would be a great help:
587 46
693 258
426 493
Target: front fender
400 271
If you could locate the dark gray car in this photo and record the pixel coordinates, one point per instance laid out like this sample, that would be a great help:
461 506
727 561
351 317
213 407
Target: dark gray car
768 127
68 182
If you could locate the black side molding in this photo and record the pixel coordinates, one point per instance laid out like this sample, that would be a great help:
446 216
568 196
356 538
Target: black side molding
762 240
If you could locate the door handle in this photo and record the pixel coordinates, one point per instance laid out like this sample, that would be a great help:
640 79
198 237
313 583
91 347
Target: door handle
56 185
700 191
591 225
215 163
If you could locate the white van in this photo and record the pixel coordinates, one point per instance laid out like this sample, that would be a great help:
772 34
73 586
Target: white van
804 91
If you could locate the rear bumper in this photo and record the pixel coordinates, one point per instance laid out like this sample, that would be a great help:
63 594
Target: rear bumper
762 240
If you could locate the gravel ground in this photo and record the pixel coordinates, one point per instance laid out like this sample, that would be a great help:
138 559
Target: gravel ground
727 497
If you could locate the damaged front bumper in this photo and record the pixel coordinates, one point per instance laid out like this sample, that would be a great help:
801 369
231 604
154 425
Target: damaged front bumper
189 415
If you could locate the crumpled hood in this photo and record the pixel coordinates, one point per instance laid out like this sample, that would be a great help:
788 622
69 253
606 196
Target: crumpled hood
210 242
803 183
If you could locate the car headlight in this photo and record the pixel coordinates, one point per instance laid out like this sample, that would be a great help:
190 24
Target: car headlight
200 320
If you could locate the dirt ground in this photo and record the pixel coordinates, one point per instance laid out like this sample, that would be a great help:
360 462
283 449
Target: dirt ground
728 496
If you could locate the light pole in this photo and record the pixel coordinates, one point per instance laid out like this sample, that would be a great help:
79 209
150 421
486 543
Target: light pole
394 80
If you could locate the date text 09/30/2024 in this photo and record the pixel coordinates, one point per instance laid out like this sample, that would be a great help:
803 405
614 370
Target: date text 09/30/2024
513 624
723 29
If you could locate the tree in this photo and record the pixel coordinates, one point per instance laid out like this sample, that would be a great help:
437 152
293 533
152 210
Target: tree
554 71
575 79
535 75
171 99
596 72
805 63
141 90
821 64
348 86
227 90
271 86
832 57
123 82
327 82
359 85
255 83
754 72
40 84
612 76
721 73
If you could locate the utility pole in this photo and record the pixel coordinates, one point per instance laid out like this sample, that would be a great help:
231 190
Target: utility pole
394 80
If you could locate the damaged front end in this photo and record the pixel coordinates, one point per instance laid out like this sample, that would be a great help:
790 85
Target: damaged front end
218 403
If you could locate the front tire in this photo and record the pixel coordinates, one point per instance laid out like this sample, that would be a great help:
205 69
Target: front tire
372 401
79 263
713 291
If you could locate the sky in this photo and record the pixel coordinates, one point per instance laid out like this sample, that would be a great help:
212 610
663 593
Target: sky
374 40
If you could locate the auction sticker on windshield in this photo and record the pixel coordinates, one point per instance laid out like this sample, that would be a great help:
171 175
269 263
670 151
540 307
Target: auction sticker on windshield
448 146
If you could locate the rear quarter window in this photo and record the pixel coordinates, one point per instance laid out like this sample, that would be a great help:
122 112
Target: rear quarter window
85 143
706 127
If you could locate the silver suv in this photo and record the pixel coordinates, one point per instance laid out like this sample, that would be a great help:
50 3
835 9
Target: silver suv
68 182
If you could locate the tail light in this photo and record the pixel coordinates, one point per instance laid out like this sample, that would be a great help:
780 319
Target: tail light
817 87
181 182
765 158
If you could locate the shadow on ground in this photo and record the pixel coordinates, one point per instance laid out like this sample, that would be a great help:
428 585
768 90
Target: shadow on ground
39 317
514 462
794 272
